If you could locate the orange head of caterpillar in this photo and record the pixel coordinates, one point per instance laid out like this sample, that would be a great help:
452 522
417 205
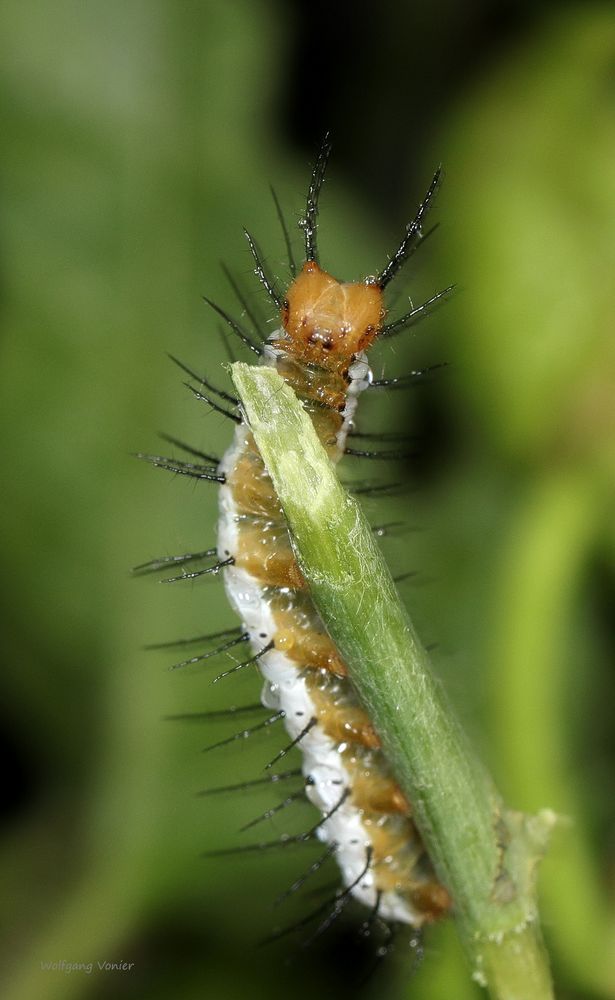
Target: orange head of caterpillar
327 322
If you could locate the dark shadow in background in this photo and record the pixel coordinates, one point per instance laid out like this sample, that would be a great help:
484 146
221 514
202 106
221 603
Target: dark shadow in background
382 77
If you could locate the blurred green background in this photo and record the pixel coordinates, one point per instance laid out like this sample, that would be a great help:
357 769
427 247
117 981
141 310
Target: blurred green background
138 139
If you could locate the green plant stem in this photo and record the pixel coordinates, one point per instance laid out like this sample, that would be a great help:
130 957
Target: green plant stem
536 693
485 854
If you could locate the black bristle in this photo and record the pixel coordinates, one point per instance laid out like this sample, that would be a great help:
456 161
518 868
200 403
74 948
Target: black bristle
163 562
413 236
209 570
212 652
309 223
180 468
261 274
245 734
235 326
226 396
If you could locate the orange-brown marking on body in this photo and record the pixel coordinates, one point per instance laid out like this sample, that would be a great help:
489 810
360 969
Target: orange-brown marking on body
313 383
264 551
401 865
397 848
306 647
343 722
375 793
431 899
252 488
328 321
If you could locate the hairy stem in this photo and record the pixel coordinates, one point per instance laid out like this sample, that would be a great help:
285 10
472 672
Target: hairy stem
484 853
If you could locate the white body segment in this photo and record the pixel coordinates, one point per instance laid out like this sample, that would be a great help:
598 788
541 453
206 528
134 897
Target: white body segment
285 689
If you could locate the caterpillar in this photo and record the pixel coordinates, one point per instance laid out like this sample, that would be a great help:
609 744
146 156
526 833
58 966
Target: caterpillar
320 349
